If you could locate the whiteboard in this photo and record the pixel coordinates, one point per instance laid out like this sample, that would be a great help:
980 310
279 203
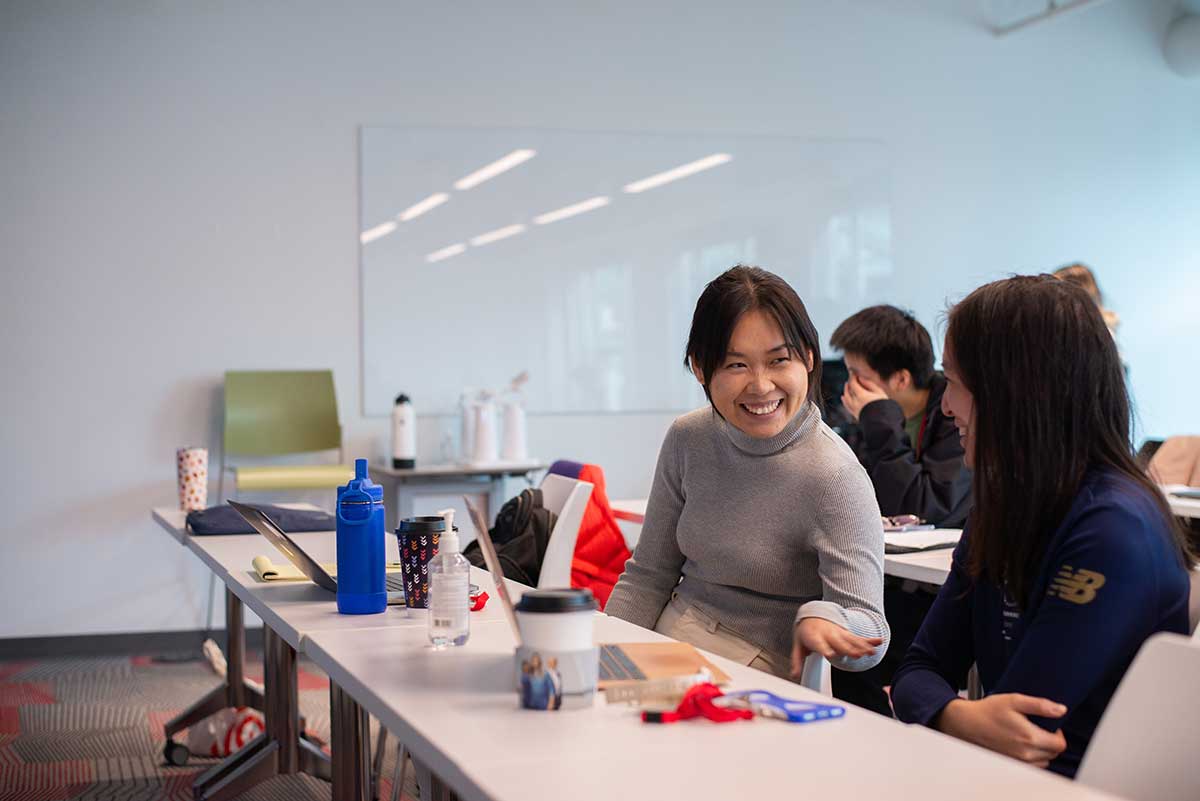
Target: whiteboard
579 256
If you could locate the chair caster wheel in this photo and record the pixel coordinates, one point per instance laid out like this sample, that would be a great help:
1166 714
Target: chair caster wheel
176 753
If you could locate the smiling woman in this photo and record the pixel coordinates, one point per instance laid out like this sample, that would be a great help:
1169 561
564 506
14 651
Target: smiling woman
762 539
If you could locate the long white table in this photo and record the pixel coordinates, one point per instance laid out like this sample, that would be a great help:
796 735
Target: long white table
457 711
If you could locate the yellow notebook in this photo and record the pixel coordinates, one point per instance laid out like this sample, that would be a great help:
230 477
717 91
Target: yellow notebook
266 570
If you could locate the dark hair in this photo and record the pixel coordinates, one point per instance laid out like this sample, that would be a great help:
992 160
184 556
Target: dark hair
1050 403
733 293
890 339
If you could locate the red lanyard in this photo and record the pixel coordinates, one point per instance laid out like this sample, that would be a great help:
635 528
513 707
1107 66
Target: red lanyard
920 436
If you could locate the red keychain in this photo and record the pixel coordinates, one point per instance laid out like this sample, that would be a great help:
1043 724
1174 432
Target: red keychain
698 702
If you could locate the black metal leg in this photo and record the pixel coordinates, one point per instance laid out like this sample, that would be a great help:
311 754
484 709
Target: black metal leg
279 751
350 740
234 692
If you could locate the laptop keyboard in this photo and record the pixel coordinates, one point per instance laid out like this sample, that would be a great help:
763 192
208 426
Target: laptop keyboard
615 665
395 582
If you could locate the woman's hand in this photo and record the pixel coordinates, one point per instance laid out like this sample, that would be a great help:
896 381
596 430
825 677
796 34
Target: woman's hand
814 635
1001 723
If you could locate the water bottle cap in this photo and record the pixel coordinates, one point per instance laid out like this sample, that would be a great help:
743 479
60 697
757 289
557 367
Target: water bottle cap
402 398
361 484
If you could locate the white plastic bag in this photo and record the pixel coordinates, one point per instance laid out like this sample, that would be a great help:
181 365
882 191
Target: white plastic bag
226 732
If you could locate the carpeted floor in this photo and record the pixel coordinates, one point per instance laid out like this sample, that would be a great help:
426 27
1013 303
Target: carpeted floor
93 729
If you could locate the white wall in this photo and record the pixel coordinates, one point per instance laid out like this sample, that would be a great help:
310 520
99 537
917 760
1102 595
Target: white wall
180 198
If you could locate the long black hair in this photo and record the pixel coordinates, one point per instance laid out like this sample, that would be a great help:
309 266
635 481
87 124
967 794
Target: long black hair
733 293
1050 403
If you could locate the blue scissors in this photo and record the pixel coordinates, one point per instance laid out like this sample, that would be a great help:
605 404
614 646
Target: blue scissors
770 705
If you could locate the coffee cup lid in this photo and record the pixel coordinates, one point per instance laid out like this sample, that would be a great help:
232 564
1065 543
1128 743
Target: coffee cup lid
565 600
422 524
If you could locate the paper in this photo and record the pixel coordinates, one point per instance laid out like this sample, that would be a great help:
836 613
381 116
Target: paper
266 570
910 541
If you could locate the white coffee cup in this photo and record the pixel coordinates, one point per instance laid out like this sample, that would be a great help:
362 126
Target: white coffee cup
557 664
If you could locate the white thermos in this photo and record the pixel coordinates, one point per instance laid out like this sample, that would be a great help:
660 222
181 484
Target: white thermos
485 446
515 447
404 434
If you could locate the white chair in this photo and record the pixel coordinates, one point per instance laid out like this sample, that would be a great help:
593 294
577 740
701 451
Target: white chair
1144 748
567 498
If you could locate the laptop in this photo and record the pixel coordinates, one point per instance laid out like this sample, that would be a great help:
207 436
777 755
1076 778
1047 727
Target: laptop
304 563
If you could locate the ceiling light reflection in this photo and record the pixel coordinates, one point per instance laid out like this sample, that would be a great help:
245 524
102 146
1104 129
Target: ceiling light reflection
419 208
570 211
498 234
495 168
371 234
682 171
446 252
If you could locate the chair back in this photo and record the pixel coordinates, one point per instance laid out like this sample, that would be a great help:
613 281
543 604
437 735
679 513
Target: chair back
1145 746
1177 461
275 412
566 498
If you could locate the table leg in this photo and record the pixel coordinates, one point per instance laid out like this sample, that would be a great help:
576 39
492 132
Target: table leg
235 691
279 750
350 741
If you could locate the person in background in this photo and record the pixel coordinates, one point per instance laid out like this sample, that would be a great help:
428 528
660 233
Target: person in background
1070 558
761 537
909 447
1082 276
911 451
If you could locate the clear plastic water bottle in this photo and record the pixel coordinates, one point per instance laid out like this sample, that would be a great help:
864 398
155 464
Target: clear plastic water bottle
449 587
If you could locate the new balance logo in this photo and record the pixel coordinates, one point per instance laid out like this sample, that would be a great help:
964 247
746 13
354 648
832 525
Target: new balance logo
1076 586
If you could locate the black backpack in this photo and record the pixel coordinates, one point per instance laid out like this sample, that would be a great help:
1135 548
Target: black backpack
521 534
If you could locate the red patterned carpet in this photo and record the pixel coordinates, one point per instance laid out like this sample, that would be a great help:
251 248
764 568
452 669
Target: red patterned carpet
93 729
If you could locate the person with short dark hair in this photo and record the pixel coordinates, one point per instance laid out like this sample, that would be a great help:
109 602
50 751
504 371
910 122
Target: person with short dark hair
911 451
761 539
909 448
1070 558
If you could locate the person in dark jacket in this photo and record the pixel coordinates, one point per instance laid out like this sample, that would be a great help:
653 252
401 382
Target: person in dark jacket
912 453
1070 558
909 448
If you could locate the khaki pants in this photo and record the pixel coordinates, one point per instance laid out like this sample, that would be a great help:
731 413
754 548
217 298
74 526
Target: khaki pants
686 623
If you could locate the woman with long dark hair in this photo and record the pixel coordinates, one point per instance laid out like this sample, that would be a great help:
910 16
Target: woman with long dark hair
762 540
1070 558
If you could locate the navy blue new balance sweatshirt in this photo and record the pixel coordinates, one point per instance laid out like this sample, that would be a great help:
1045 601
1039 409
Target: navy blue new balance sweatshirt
1110 578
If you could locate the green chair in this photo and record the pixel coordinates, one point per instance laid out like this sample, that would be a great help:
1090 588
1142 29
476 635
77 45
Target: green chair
280 412
276 413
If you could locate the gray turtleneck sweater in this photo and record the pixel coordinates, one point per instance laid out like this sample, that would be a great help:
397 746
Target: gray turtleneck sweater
759 533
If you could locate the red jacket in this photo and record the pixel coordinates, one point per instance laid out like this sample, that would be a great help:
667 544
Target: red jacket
600 551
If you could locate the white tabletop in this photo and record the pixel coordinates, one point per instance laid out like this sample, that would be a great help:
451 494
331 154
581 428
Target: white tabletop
456 710
1184 507
173 520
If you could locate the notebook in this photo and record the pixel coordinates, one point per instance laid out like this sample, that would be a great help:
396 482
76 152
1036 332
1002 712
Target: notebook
266 570
625 662
913 541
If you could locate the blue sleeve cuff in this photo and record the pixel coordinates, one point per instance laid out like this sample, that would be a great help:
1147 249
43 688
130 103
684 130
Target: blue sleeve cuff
920 696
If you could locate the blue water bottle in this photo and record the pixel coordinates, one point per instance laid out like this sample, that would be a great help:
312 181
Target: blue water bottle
361 572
